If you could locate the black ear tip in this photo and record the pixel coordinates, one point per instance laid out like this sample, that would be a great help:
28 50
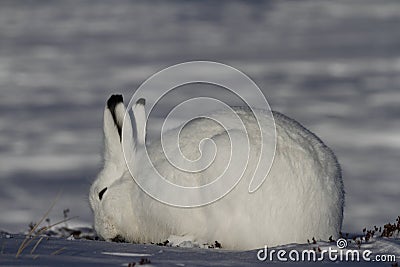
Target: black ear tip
141 101
113 101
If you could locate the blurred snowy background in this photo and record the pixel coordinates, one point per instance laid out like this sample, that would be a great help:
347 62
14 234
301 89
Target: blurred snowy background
332 65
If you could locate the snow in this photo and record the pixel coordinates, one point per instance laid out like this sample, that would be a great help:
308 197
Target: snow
56 251
333 65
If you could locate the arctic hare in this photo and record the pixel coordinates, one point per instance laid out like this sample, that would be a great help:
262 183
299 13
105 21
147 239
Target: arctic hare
302 198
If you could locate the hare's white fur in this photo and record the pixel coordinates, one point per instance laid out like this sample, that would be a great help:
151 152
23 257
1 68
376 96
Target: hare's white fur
302 198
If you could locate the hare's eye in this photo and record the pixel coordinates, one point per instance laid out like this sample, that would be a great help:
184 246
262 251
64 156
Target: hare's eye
101 193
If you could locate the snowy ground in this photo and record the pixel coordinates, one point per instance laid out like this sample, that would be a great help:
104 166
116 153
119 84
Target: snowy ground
56 252
332 65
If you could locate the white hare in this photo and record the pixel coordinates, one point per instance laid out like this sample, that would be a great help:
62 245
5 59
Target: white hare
302 198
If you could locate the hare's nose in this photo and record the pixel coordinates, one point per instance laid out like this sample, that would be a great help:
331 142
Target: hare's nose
101 193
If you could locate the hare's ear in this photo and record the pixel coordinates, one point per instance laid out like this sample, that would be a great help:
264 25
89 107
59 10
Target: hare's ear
139 115
114 120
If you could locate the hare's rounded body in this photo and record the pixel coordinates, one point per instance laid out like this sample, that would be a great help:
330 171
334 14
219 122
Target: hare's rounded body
301 198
